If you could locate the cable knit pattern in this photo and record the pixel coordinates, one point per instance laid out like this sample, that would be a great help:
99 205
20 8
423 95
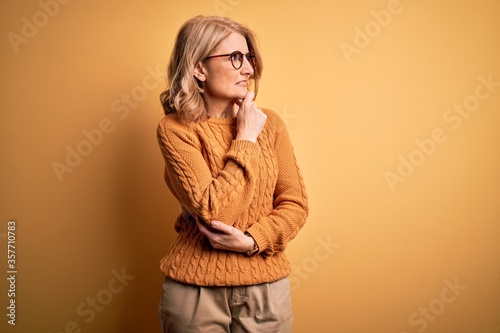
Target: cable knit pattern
255 187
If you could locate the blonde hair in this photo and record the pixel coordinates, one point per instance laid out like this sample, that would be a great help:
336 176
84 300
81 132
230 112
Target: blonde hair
197 38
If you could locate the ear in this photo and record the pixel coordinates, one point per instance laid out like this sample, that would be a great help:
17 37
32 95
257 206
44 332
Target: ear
199 72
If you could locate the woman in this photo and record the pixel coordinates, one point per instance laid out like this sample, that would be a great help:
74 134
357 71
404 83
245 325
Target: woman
232 168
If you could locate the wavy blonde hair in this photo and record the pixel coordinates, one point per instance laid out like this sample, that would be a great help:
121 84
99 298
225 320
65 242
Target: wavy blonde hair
197 39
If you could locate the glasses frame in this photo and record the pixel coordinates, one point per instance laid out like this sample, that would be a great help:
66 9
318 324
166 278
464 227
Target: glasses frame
250 57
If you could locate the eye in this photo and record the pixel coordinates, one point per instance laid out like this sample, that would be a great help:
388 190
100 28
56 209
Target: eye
236 56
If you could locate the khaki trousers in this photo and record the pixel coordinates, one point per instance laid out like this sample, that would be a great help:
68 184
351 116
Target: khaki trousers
258 308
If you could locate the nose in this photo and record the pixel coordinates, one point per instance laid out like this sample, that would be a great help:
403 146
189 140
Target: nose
246 68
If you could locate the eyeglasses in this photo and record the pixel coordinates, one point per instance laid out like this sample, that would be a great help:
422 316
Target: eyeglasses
236 58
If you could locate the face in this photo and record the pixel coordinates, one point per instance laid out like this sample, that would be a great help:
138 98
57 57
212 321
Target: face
223 83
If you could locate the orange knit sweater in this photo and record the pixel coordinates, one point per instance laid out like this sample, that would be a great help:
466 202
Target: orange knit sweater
255 187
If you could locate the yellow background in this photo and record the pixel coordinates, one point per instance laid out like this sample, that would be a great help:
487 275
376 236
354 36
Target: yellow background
373 257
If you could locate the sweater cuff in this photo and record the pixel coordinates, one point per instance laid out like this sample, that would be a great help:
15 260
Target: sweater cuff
248 146
245 153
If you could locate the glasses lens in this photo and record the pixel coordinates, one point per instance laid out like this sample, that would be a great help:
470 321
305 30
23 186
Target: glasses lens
237 59
251 58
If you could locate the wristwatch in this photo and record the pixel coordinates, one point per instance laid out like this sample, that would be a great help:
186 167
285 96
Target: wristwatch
255 248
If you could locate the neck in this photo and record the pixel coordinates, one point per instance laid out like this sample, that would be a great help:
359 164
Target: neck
220 109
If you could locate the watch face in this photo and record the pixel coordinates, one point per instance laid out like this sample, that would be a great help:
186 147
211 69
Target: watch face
254 250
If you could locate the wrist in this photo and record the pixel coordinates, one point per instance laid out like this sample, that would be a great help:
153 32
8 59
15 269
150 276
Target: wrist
255 247
246 138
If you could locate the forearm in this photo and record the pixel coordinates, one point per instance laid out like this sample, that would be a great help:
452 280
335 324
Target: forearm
224 237
273 231
223 196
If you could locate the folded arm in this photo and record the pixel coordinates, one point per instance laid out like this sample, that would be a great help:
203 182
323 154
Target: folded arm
273 232
220 197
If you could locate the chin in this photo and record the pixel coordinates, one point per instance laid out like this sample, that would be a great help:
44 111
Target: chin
241 94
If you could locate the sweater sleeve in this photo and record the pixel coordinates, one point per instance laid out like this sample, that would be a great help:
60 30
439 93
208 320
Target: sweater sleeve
219 197
273 232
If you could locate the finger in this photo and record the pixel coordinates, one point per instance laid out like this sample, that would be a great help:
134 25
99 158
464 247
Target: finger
203 229
207 229
220 227
239 102
249 97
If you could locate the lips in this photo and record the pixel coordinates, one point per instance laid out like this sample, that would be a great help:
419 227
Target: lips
243 83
